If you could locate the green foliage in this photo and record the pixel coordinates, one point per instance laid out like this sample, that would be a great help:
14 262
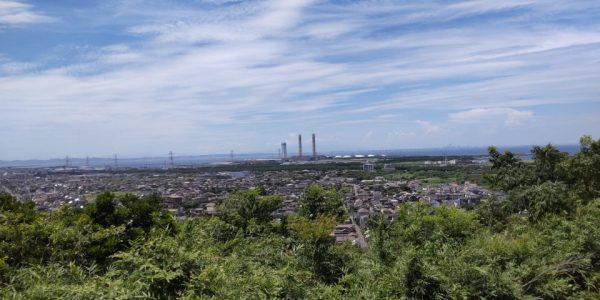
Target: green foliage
75 237
316 248
23 240
138 214
541 200
421 283
104 210
8 203
548 160
146 212
583 170
420 226
379 228
435 253
249 210
87 236
552 184
493 213
510 171
502 160
316 201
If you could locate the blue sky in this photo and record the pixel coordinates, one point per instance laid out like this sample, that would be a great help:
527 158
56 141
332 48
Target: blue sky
139 77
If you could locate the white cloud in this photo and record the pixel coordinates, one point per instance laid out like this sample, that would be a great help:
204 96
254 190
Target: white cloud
14 12
15 67
429 127
509 116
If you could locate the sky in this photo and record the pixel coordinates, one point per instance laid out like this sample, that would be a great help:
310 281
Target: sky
141 78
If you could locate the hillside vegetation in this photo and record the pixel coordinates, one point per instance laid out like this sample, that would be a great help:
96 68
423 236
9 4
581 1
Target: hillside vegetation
541 242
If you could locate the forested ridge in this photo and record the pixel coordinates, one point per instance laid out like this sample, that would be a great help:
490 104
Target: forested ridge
542 241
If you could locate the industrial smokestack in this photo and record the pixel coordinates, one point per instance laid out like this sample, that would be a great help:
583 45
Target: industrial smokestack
284 150
314 147
299 145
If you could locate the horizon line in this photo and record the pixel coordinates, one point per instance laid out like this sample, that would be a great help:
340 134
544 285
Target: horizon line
328 152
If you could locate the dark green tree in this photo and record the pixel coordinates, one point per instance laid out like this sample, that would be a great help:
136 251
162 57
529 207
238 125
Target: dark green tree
542 199
380 231
584 169
548 160
248 207
420 284
10 203
493 213
509 172
24 236
104 210
144 213
316 201
316 247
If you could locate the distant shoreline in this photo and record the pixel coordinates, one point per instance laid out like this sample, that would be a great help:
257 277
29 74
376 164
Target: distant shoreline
204 160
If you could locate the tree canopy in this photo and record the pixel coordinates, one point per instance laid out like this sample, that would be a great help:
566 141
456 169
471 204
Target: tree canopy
318 201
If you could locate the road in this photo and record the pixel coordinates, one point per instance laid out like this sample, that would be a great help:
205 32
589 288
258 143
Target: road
360 239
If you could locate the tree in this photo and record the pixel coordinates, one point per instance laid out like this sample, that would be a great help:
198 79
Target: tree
146 212
492 213
541 200
510 172
421 226
548 161
420 284
316 246
249 207
583 169
316 201
379 228
10 203
502 160
104 210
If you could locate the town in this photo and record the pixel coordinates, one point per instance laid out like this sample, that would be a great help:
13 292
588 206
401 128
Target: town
377 187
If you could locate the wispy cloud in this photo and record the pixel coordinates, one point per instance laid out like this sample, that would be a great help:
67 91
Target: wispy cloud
210 71
509 116
14 12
